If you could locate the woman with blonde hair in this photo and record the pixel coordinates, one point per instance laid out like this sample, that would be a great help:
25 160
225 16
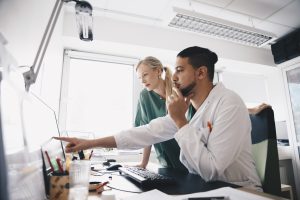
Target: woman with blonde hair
152 104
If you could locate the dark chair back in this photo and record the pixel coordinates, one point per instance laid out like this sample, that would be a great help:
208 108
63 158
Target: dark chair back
264 146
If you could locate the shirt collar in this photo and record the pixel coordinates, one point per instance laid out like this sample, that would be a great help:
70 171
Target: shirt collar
212 94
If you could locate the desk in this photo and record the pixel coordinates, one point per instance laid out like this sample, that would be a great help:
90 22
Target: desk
261 194
187 183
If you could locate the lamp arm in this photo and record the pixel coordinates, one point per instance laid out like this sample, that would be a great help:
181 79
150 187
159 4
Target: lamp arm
31 75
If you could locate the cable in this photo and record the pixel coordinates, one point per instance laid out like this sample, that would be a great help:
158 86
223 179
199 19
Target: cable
104 172
116 174
98 172
121 189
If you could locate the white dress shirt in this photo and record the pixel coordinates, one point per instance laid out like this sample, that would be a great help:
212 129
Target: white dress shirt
223 154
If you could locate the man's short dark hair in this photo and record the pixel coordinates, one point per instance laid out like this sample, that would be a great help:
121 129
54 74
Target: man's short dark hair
198 56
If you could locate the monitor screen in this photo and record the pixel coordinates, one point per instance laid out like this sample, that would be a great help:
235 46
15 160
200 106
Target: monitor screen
40 125
53 156
40 121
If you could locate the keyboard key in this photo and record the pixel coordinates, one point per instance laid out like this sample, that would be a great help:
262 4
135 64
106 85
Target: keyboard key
146 177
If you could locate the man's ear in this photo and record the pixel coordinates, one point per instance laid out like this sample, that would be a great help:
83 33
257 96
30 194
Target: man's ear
201 72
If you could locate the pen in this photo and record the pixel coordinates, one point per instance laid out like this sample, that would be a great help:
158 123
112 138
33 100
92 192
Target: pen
91 155
209 126
102 185
48 158
60 167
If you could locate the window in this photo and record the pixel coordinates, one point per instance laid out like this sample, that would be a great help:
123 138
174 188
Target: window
99 93
293 83
251 87
291 74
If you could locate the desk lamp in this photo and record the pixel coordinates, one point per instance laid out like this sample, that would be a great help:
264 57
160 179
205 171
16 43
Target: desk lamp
84 22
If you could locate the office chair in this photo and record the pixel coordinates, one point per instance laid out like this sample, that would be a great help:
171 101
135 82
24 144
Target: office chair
264 148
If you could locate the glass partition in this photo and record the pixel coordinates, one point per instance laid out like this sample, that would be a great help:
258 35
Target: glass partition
293 81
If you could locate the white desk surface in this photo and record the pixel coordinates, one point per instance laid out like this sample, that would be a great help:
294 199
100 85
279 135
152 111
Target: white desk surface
152 166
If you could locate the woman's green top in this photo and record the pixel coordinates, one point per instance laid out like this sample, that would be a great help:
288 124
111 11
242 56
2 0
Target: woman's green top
151 106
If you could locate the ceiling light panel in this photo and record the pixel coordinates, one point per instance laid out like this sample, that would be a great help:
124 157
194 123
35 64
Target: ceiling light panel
218 28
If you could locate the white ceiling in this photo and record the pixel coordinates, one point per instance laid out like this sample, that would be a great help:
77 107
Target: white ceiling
276 16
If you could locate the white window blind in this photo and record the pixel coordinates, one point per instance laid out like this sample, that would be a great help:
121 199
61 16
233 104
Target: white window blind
99 93
251 87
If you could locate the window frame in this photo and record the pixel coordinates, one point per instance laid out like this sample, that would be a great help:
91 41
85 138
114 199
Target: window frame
285 68
73 54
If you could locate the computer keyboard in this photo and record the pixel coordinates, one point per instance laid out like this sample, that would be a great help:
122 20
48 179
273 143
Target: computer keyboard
146 177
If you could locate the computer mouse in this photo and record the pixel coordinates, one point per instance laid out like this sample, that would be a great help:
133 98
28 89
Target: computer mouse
106 163
113 167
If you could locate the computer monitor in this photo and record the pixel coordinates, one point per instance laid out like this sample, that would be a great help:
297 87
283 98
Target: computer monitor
40 121
53 156
40 125
53 161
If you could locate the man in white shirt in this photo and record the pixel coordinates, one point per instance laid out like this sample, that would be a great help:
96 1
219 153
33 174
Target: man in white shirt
215 142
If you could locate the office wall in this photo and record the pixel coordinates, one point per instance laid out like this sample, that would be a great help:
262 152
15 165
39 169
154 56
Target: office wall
273 83
162 37
271 75
23 24
136 40
49 78
23 27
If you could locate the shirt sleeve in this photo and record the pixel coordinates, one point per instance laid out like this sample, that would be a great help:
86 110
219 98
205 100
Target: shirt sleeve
210 153
158 130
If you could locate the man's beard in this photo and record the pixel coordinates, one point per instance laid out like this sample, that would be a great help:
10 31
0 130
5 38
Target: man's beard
187 90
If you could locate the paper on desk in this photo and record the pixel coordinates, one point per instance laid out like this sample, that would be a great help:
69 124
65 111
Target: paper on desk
232 193
150 195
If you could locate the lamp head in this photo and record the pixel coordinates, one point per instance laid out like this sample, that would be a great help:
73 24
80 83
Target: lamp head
84 18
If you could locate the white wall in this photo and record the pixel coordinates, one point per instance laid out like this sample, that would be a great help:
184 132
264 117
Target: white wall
136 40
24 28
112 30
23 24
273 83
49 78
